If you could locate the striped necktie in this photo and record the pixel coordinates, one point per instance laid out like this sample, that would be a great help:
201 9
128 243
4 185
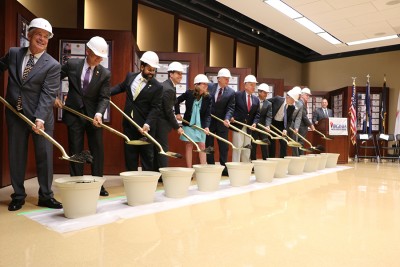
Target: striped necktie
138 88
28 67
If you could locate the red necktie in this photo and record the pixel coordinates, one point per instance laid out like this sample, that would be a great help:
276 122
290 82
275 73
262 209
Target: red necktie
248 103
220 93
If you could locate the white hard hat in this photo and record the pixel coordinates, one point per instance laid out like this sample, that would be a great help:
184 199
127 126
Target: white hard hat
150 58
306 91
41 24
201 78
224 73
295 93
263 87
175 66
98 45
250 79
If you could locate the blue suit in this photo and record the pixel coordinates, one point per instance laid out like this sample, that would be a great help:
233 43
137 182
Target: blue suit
223 109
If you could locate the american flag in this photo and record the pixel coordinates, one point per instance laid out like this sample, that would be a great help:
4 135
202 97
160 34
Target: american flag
353 115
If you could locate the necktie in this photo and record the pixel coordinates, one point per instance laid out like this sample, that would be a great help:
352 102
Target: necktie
86 81
28 67
326 113
285 116
138 88
221 90
248 103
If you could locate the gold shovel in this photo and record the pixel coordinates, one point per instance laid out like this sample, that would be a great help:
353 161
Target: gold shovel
322 135
162 152
258 142
257 130
82 157
207 151
277 136
216 136
311 146
289 141
108 128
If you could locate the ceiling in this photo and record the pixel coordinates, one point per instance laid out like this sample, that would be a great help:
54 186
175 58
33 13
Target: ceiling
256 23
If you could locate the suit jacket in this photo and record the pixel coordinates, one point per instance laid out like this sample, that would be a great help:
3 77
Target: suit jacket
205 109
168 102
277 102
224 108
241 113
319 114
97 97
146 107
266 113
40 88
300 118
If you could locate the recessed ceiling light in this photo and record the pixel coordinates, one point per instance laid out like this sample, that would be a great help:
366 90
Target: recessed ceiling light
373 40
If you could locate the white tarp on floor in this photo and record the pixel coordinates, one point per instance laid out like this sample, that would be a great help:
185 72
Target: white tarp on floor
113 209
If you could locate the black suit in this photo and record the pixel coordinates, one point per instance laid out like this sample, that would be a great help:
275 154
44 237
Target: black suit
95 100
165 122
265 119
302 126
223 109
144 109
277 102
38 93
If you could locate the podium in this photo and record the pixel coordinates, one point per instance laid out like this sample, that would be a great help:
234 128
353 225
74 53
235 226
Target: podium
339 144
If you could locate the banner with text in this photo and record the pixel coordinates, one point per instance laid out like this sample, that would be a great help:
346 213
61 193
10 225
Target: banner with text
338 126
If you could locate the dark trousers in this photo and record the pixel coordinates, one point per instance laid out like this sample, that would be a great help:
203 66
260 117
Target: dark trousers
161 135
76 139
133 153
282 144
18 138
222 147
264 149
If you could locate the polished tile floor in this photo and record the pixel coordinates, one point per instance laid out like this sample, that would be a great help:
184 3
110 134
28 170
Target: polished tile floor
348 218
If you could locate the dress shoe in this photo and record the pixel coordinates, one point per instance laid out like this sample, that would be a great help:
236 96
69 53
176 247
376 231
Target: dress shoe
51 203
225 173
16 204
103 192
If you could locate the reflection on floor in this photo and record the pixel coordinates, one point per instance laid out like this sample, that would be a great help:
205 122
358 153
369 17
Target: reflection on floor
348 218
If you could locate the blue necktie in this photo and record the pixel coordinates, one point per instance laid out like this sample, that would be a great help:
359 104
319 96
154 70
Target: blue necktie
86 81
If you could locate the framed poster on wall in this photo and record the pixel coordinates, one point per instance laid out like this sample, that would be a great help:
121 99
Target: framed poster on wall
22 31
77 49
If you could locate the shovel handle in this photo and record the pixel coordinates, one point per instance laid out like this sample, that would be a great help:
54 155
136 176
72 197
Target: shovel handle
233 127
108 128
299 135
43 133
138 127
191 141
210 133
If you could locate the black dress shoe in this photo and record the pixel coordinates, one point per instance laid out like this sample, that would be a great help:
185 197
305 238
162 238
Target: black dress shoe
103 192
51 203
225 173
16 204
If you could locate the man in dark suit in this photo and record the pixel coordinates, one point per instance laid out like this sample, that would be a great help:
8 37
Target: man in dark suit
265 119
282 111
247 110
33 82
300 121
89 93
143 101
167 120
322 112
222 106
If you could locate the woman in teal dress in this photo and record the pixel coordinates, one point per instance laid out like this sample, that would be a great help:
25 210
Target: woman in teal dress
198 112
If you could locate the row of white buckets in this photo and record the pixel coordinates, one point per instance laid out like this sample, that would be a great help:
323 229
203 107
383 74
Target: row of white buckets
80 194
